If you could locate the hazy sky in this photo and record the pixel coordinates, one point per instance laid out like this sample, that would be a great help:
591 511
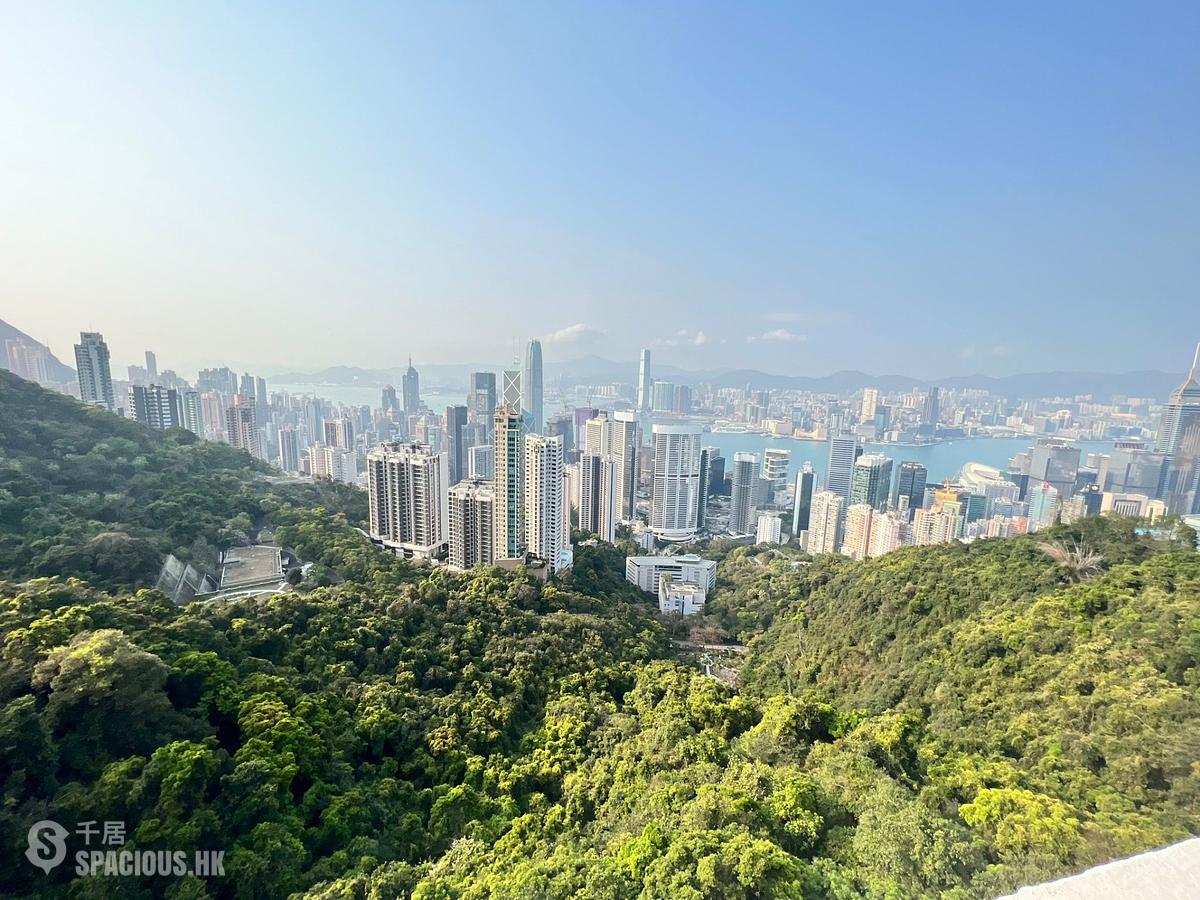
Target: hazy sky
929 189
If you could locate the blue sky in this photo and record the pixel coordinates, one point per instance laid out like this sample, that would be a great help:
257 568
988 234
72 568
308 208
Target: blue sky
929 189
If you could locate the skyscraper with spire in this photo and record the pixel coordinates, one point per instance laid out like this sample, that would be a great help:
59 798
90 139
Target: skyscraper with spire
1179 442
411 388
531 387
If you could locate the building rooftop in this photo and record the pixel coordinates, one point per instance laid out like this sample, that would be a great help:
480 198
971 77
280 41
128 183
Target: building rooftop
251 566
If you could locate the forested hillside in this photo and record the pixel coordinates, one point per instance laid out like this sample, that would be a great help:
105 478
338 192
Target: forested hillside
85 493
941 722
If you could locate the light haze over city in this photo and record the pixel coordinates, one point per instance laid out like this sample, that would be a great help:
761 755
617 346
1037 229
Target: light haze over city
928 190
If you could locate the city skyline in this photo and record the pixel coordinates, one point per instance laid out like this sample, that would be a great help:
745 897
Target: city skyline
758 186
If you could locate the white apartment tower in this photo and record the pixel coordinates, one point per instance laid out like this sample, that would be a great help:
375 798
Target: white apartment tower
472 517
675 494
508 466
95 376
544 518
825 523
408 497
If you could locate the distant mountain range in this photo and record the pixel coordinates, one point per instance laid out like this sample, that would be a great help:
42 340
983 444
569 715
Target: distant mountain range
58 371
596 370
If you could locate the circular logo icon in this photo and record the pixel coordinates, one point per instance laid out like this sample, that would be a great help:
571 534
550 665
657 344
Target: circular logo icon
47 845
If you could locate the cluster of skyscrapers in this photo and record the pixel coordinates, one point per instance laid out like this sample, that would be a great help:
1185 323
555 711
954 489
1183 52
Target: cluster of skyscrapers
497 479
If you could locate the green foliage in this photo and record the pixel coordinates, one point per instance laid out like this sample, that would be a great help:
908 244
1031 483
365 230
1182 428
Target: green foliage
940 722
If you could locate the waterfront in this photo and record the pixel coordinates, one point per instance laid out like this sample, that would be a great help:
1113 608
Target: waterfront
943 460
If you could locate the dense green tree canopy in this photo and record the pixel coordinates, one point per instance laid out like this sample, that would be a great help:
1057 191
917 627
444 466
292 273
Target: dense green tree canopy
941 722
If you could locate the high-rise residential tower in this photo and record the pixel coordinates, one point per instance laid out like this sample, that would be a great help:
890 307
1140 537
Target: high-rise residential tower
472 523
407 492
456 421
825 526
508 465
675 490
544 516
92 366
742 508
531 387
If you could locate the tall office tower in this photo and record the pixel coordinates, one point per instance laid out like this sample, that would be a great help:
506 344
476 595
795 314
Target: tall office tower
1043 505
776 461
889 531
531 387
261 399
743 507
843 451
95 376
825 525
624 443
390 402
597 500
407 492
871 480
193 417
510 388
999 498
241 425
910 483
802 503
1054 461
664 396
715 480
481 401
563 426
675 490
339 433
456 421
768 529
151 364
156 406
472 517
410 389
933 409
870 401
480 462
543 515
508 464
644 397
856 542
682 402
289 449
1179 442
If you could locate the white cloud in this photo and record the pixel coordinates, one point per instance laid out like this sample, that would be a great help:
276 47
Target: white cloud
783 336
681 337
573 334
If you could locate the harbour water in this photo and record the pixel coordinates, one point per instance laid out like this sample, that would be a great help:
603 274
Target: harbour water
943 460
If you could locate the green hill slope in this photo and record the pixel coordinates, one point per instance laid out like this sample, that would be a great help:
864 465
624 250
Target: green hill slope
88 494
941 722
